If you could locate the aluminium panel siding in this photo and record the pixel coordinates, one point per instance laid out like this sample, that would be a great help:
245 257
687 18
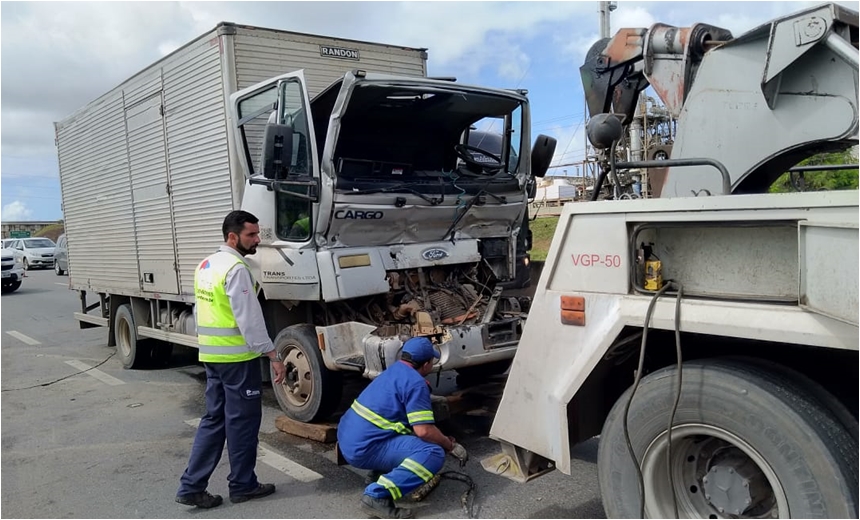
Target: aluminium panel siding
202 191
263 53
150 194
97 205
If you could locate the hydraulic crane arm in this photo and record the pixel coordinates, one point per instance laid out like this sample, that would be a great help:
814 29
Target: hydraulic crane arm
666 57
758 103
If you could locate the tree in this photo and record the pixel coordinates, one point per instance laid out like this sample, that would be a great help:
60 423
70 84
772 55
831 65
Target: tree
820 181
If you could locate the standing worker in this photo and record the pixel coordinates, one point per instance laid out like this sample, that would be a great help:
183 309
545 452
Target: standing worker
232 336
375 434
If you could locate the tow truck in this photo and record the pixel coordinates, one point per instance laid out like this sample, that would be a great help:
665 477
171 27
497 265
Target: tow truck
708 336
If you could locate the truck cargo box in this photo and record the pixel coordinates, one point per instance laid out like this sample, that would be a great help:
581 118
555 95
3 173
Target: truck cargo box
148 170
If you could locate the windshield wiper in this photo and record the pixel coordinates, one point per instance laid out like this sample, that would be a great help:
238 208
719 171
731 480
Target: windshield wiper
479 200
406 187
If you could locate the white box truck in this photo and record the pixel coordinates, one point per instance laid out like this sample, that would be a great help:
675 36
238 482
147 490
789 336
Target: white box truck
413 191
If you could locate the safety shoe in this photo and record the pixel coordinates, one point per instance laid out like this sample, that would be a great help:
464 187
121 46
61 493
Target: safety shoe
263 490
371 477
383 508
203 500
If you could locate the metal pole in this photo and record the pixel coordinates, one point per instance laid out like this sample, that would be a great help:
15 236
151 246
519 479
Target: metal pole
604 19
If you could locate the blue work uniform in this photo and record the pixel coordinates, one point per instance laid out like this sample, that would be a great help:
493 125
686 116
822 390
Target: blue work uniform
375 433
233 401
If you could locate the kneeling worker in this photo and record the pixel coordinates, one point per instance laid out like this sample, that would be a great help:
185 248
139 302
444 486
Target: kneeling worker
375 434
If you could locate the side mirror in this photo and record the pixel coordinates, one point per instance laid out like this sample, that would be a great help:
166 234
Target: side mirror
542 152
277 151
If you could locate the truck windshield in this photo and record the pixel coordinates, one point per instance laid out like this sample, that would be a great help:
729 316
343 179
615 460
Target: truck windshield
397 132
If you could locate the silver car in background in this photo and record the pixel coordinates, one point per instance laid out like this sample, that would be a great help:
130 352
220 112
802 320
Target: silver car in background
34 252
12 271
61 256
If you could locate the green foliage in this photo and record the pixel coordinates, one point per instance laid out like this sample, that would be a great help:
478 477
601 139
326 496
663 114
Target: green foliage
543 229
820 181
52 231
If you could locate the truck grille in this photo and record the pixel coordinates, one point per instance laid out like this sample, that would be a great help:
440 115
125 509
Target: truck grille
47 256
6 267
9 259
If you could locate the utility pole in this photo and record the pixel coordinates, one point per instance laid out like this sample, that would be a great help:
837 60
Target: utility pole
605 9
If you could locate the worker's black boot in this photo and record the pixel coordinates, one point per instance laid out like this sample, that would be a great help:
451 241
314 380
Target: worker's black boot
203 500
383 508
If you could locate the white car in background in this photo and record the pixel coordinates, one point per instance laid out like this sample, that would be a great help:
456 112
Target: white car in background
34 252
13 271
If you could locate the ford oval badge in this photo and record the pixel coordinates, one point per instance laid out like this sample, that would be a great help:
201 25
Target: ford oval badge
434 254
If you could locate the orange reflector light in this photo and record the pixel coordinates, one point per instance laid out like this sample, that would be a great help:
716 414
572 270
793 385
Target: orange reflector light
573 310
321 341
573 303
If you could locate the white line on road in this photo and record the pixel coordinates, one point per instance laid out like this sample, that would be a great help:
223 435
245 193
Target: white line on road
281 463
96 373
61 283
267 455
26 339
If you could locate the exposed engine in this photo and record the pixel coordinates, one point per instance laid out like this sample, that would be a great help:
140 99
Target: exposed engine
425 301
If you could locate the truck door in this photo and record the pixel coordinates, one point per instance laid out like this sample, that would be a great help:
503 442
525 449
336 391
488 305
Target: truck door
283 194
150 185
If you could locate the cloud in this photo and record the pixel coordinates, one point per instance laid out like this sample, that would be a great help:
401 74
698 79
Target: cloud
16 211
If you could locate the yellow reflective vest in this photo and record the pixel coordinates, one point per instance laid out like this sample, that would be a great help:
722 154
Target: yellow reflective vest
217 331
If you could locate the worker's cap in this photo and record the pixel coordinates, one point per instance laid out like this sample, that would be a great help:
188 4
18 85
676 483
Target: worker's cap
420 350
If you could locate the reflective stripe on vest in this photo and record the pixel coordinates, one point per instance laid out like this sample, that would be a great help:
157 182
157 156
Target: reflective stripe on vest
218 333
377 420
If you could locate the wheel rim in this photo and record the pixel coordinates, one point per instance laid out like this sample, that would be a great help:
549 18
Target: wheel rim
26 264
123 337
716 475
56 267
297 387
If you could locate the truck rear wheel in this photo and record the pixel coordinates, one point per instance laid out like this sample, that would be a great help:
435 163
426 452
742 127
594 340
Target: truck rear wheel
134 352
746 442
310 392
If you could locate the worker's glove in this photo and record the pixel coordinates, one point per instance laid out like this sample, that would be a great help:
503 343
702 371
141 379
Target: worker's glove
459 452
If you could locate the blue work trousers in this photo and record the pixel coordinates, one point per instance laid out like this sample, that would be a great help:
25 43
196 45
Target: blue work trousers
406 461
233 413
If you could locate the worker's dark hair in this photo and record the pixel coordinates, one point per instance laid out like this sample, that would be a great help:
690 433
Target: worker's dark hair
406 356
235 222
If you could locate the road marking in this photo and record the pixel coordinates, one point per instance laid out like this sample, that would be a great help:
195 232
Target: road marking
267 455
96 373
26 339
281 463
61 283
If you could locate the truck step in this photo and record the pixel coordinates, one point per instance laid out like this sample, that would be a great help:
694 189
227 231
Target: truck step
352 361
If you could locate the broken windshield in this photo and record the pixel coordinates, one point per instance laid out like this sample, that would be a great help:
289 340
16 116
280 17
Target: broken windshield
392 132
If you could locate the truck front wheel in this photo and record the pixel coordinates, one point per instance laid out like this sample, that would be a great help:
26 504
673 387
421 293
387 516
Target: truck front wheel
310 392
746 442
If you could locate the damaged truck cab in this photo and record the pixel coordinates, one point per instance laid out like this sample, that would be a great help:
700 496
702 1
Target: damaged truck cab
381 217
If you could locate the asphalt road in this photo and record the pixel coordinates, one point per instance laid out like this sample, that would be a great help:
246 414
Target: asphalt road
112 443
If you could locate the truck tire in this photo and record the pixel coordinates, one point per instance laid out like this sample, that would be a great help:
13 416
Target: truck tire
132 351
310 392
741 432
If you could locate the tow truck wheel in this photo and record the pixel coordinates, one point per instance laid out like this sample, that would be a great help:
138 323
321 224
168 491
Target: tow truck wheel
747 442
310 392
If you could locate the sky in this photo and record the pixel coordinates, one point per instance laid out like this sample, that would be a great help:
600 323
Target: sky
57 57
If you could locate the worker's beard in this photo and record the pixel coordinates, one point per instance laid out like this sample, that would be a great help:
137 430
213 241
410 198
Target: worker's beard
245 251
